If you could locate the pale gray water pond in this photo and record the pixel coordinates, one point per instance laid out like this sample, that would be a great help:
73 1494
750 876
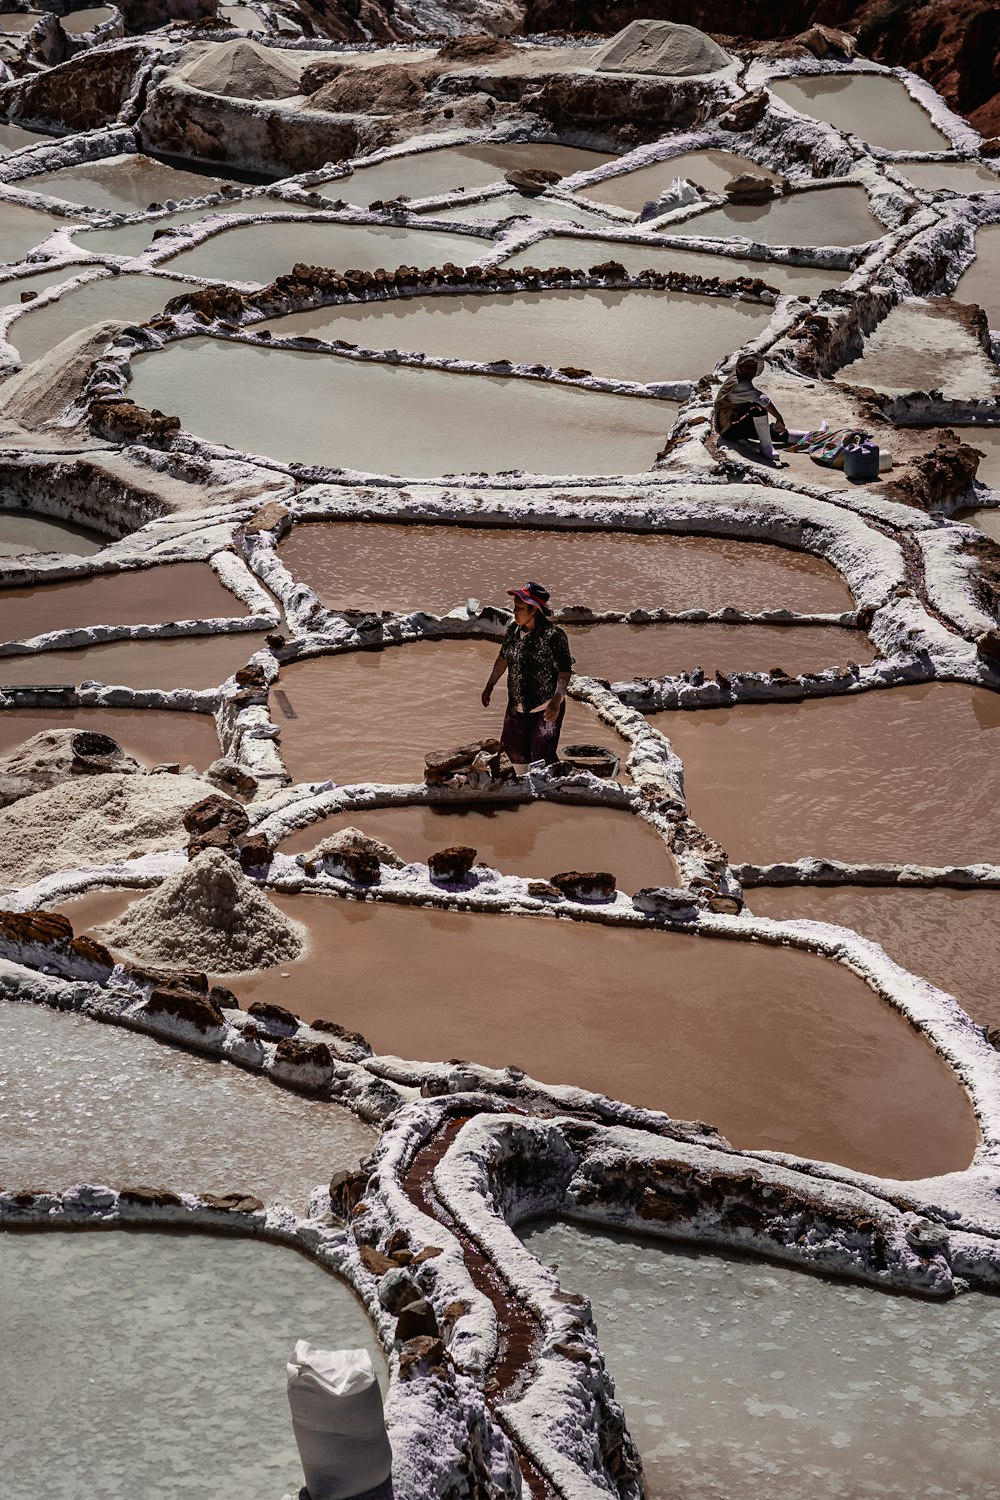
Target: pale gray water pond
426 174
329 411
569 250
643 336
958 176
243 17
85 1102
21 229
876 108
260 252
741 1379
18 21
981 282
132 239
14 137
123 184
821 216
922 346
709 169
154 1363
24 531
78 22
126 299
10 291
515 205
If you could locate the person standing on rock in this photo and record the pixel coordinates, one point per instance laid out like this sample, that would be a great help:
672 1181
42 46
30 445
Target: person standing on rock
535 655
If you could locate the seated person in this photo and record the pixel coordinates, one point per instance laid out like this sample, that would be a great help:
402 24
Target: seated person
744 412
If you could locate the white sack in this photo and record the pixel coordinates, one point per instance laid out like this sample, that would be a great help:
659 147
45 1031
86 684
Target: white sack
338 1421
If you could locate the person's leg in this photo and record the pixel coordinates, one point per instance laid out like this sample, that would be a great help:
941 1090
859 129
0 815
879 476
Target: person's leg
545 736
515 737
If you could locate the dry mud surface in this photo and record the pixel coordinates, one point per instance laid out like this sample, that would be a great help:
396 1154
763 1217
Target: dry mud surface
311 349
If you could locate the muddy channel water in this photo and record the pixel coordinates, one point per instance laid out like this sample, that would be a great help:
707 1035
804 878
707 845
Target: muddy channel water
82 1102
427 174
822 216
332 412
778 1048
365 565
140 596
374 715
908 775
949 937
741 1378
576 252
641 336
877 109
159 1355
186 661
24 531
709 169
154 736
532 839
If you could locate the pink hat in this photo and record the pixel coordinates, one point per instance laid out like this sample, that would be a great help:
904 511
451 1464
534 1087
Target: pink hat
533 594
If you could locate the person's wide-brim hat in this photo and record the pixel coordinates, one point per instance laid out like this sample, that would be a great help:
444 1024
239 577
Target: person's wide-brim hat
751 359
533 594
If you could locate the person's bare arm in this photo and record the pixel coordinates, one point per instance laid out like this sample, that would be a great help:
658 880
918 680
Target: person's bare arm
499 668
779 420
554 704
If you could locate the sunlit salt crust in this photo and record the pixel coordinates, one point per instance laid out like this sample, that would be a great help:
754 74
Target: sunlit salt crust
915 592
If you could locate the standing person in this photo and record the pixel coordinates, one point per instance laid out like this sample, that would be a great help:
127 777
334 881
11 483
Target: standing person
535 655
744 412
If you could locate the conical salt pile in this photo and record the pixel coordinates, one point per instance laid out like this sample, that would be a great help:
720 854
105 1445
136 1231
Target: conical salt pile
207 916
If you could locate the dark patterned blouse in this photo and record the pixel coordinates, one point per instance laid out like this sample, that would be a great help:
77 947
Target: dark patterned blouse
535 658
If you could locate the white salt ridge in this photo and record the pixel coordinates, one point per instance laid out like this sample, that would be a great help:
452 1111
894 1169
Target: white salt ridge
208 915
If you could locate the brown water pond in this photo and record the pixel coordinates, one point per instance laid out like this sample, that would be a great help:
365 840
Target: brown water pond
21 229
569 250
949 937
154 736
821 216
981 282
427 174
365 565
140 596
778 1048
260 252
126 299
186 661
643 335
620 652
709 169
123 184
24 531
876 108
528 838
908 774
374 715
329 411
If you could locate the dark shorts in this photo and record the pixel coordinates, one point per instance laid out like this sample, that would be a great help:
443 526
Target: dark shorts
528 737
743 427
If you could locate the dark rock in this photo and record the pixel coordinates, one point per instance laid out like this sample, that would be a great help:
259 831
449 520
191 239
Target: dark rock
216 811
427 1253
575 1352
723 905
214 838
531 180
745 113
296 1054
195 1010
417 1320
544 890
346 1191
397 1290
232 1203
351 1038
224 998
149 1197
272 516
255 851
275 1018
398 1240
750 187
374 1262
124 422
667 901
419 1352
451 866
597 885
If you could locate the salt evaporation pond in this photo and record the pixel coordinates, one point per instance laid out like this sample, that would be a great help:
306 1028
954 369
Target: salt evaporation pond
159 1355
921 346
132 239
85 1102
24 531
78 22
10 291
741 1378
573 251
641 336
365 565
139 596
620 652
981 282
374 715
709 169
123 184
873 107
819 216
778 1048
154 736
243 17
955 176
950 937
184 661
125 299
260 252
21 229
532 839
517 205
427 174
907 774
19 21
15 137
329 411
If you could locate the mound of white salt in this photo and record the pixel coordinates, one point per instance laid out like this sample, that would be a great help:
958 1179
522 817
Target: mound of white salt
246 70
667 49
93 821
207 916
